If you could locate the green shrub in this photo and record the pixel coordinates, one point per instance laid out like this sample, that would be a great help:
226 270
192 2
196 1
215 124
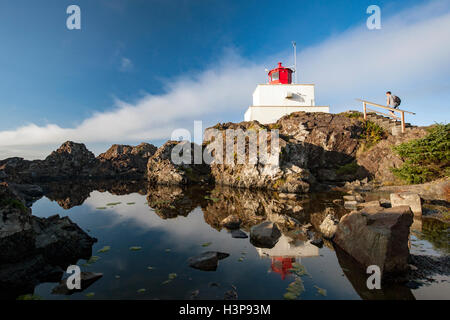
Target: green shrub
425 159
372 134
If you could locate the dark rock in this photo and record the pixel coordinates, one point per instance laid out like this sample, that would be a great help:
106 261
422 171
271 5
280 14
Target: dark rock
125 160
265 235
34 249
207 261
238 234
377 236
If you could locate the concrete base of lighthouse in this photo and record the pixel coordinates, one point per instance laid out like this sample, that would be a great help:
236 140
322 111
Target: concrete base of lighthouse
273 101
268 114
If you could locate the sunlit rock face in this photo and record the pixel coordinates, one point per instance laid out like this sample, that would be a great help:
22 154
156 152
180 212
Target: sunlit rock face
377 236
310 149
176 163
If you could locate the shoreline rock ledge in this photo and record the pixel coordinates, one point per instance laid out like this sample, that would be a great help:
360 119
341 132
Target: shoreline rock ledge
377 236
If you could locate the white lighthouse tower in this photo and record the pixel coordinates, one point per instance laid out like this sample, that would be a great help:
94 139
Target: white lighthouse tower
281 97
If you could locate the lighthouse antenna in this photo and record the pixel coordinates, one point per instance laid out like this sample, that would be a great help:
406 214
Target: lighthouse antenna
295 61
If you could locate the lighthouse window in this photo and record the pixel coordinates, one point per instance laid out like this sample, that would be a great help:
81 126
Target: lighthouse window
275 76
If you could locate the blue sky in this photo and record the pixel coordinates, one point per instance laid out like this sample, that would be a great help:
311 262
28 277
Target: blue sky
139 69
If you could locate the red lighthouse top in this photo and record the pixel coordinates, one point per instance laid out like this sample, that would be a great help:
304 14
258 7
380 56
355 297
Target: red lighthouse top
280 75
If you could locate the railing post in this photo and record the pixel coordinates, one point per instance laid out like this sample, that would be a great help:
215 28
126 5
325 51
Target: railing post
403 122
365 110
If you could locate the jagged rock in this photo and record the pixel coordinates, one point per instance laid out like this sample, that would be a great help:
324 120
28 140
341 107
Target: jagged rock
60 239
162 169
16 232
207 261
329 226
377 236
125 160
27 192
412 200
265 235
87 279
231 222
309 145
34 249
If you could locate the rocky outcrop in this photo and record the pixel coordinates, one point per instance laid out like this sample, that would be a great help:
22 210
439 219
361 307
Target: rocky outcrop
177 163
312 147
34 249
377 236
125 160
74 161
379 160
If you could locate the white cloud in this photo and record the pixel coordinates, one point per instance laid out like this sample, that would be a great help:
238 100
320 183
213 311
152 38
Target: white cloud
409 56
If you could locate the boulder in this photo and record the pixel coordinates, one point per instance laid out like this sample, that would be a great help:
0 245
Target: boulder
329 226
377 236
177 163
207 261
412 200
265 235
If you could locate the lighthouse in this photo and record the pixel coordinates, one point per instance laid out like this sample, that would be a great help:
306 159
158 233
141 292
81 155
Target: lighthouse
280 97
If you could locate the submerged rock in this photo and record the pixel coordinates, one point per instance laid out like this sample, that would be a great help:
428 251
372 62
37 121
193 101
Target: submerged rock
377 236
207 261
265 235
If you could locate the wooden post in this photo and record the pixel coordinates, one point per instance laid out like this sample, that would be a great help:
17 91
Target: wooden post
403 122
365 111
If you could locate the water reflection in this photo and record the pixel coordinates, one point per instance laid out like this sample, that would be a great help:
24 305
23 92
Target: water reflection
172 224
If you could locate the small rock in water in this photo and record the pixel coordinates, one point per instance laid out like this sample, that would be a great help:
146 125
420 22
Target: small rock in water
317 241
207 261
238 234
230 295
194 294
265 235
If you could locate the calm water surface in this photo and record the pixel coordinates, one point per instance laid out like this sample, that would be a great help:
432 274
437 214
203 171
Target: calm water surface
171 225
